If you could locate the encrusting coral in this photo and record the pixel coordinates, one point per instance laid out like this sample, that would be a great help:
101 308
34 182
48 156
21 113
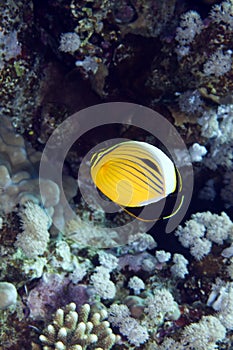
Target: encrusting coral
72 330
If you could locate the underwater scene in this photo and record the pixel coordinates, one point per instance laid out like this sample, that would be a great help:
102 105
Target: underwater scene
116 175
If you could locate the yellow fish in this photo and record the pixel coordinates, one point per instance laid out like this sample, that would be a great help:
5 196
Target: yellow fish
133 173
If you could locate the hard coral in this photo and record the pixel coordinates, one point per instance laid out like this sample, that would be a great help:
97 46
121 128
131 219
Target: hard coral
18 180
71 330
8 295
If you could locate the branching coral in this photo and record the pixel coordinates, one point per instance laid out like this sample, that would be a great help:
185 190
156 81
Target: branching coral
72 330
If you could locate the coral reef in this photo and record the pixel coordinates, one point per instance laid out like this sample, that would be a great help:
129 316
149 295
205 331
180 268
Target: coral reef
79 284
77 330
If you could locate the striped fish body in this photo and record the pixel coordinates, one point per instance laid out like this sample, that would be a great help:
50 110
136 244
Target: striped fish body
133 173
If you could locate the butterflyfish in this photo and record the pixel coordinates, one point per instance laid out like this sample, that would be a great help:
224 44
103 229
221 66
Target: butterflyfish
133 173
